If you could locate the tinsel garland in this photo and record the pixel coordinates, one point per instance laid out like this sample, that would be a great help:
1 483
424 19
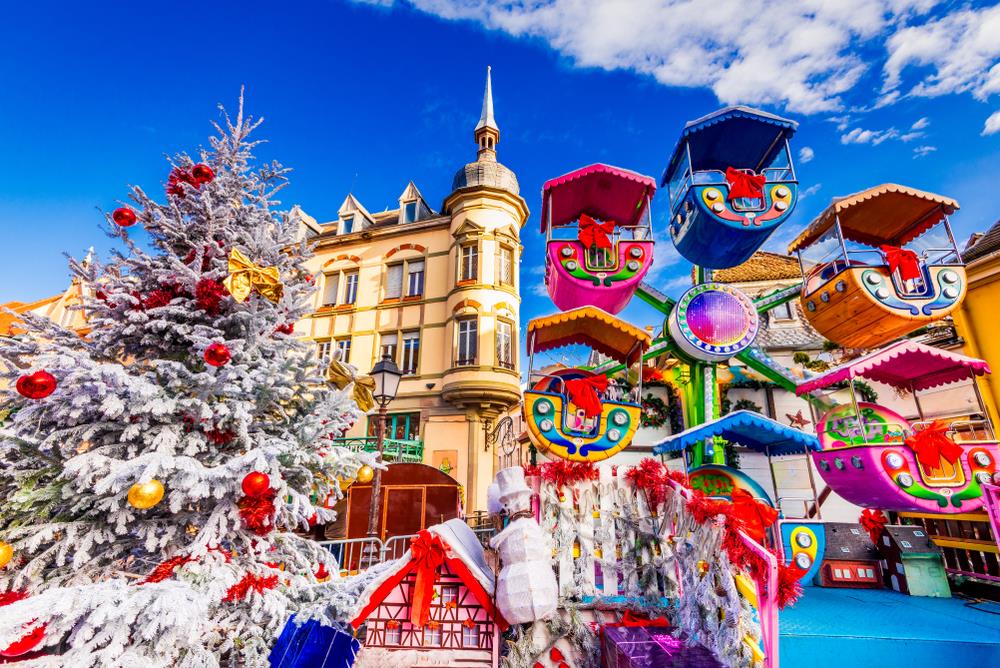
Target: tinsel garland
208 295
166 569
650 476
248 583
562 473
257 512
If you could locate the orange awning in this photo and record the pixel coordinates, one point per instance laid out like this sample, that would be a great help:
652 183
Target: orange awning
592 327
886 214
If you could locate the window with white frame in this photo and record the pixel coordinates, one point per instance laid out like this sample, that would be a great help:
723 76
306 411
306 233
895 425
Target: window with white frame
468 341
394 281
432 635
782 312
505 344
330 284
870 572
411 352
449 594
389 346
323 349
415 278
410 212
393 634
344 348
505 265
351 287
469 264
470 635
347 225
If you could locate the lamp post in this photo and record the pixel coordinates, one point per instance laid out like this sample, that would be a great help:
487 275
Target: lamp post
386 375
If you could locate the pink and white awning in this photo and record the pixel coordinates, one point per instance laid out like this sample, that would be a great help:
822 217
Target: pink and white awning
904 365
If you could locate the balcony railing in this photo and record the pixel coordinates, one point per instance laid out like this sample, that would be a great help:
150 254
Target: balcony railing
394 449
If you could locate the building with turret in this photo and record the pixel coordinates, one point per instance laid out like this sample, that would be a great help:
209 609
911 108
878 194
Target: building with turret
438 291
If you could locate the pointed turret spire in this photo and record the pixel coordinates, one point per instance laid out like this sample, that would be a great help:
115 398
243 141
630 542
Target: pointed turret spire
487 133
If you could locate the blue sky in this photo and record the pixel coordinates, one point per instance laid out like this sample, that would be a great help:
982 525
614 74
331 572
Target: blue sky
366 96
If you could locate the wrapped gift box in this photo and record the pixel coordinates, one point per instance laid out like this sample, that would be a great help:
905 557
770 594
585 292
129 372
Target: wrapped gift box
313 645
651 647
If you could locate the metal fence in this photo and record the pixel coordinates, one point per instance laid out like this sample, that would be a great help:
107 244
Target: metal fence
354 555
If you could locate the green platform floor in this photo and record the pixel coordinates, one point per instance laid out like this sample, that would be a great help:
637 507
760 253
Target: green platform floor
863 628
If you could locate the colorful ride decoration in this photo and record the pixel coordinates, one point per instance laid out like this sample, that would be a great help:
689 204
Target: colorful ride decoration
576 414
874 457
713 321
880 264
803 543
611 246
731 183
746 428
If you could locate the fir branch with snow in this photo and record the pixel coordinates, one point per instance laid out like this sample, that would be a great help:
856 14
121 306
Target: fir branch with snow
177 387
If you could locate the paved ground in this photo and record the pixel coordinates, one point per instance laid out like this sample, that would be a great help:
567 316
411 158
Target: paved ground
860 628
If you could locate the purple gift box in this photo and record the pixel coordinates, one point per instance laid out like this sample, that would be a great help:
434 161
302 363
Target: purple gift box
651 647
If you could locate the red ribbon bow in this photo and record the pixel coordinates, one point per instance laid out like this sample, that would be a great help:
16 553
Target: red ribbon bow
873 521
593 233
932 444
427 550
742 184
585 393
903 259
755 516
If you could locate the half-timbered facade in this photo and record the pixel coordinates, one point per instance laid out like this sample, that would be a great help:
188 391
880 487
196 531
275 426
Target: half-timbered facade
462 625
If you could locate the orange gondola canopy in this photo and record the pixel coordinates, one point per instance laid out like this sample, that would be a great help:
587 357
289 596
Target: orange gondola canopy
886 214
591 327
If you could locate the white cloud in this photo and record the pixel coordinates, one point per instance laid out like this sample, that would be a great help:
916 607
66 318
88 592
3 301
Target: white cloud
923 151
920 123
806 154
910 136
841 121
992 125
538 289
811 190
873 137
955 53
801 56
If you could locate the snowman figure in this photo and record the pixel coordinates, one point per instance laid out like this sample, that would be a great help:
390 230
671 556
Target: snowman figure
526 587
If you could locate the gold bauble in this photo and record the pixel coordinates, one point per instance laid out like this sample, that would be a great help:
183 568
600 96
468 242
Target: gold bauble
365 474
143 495
6 553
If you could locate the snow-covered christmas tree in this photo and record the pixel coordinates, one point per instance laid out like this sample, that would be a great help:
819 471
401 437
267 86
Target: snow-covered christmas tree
154 467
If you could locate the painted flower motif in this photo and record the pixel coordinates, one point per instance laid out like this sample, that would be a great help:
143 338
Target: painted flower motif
451 605
469 623
433 624
392 624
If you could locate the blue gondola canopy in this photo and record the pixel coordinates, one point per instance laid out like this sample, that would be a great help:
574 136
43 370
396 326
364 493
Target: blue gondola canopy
746 428
739 137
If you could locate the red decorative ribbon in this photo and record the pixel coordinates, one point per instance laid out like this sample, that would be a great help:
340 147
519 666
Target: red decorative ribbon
635 619
248 583
754 515
585 393
932 444
742 184
592 233
873 521
903 259
427 550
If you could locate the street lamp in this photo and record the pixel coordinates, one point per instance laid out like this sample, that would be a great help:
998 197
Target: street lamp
386 375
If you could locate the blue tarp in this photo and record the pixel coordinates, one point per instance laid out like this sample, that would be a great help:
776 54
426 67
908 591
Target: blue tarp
746 428
738 137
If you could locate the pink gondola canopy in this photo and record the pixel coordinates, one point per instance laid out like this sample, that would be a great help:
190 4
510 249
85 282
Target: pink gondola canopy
600 191
904 365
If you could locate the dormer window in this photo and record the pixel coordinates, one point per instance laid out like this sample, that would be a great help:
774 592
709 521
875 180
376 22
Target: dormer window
347 225
410 212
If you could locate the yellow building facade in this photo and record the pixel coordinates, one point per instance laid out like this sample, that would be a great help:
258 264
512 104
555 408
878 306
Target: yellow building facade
439 293
976 320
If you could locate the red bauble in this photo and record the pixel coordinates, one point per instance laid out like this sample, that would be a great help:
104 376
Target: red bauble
26 643
217 354
287 328
124 217
256 484
321 572
36 386
202 173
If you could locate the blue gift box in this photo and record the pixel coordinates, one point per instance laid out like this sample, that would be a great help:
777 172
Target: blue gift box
313 645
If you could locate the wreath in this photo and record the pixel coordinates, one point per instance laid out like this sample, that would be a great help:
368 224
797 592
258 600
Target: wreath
655 411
